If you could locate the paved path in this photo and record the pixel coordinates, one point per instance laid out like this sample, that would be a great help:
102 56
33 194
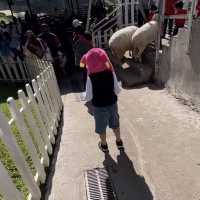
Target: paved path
162 148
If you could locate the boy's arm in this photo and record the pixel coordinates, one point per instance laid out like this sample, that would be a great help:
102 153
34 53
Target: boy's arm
89 94
109 65
117 88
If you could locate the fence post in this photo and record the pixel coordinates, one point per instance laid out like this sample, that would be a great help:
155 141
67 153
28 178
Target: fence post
47 103
11 144
7 187
50 97
52 93
132 12
56 88
44 129
120 14
126 4
2 70
44 112
34 128
21 67
99 38
14 65
18 117
6 63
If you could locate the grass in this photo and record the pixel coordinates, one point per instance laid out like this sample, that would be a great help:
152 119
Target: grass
5 18
5 92
8 90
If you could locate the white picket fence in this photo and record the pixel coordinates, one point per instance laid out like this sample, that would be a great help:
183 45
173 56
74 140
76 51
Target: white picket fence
20 71
125 14
41 102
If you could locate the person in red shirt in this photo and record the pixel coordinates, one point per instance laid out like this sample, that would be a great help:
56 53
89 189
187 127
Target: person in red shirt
179 23
169 10
198 8
152 12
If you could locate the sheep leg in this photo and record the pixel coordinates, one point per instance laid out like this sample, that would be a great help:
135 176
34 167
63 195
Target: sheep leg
134 53
139 55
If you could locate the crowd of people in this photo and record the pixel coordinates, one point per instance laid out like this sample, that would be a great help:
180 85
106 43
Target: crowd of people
54 39
64 41
172 7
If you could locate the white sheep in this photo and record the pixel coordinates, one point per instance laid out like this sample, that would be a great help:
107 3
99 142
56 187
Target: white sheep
142 37
120 42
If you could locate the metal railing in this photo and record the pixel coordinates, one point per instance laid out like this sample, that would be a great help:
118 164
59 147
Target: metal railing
123 15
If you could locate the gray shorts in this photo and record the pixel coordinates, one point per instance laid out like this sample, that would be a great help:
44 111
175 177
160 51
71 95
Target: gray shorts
106 116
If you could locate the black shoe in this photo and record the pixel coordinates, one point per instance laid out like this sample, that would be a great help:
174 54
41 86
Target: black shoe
103 147
120 145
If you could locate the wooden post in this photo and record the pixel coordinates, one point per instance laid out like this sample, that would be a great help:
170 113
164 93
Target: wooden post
45 114
133 3
120 14
44 129
7 187
34 128
20 122
16 154
126 4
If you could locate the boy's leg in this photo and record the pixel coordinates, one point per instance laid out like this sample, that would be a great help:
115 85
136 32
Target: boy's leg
103 143
119 141
103 138
117 134
101 121
115 125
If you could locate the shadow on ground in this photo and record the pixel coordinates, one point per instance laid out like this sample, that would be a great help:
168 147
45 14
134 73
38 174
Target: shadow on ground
72 83
128 185
46 188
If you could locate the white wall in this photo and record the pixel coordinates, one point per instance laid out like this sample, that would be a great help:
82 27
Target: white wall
180 70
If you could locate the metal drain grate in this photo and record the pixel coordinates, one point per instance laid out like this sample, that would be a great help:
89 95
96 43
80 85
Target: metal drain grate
98 184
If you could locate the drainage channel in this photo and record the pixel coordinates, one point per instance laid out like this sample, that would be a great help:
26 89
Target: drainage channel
99 185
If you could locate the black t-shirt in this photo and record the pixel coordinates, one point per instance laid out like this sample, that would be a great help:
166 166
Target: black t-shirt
103 89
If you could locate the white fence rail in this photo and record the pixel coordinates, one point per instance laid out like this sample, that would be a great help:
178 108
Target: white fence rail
125 14
20 71
39 113
128 13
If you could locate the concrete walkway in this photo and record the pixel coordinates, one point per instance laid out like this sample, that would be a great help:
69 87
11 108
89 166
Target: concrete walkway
162 145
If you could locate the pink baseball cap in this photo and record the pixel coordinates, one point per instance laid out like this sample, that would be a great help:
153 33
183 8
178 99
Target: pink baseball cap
96 60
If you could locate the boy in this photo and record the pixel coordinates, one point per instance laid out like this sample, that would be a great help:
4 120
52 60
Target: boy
102 88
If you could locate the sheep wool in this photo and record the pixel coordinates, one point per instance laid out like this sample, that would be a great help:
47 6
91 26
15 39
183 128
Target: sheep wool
143 36
120 42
